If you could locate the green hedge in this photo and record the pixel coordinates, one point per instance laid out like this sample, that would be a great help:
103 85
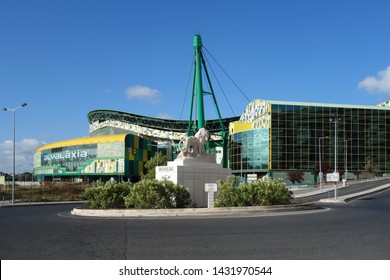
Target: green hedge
146 194
154 194
108 195
233 194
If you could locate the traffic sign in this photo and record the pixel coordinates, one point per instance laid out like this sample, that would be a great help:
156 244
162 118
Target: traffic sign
333 177
210 187
251 177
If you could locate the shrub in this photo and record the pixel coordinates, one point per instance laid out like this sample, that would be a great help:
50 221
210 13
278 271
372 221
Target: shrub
108 195
154 194
226 196
248 195
231 194
274 192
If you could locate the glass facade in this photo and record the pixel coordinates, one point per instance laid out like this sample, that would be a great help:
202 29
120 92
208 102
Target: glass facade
361 137
276 136
248 150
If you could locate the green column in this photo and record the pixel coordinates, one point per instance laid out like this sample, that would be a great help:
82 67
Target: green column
198 81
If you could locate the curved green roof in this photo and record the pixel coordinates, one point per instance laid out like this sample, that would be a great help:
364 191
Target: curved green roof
155 123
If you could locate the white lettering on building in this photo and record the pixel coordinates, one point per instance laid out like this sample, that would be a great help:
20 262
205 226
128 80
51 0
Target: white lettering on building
66 155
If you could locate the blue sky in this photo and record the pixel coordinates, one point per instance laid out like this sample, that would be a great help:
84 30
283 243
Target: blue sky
66 57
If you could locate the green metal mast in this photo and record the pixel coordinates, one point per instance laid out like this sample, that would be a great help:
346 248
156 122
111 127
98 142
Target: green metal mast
197 90
198 81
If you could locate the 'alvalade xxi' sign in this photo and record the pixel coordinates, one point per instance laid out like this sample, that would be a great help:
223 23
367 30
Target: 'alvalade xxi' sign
66 155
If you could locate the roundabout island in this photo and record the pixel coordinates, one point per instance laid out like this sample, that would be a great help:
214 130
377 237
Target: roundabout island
193 212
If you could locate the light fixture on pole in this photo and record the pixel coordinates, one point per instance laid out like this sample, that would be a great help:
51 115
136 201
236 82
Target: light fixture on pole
346 159
319 157
335 145
336 176
13 165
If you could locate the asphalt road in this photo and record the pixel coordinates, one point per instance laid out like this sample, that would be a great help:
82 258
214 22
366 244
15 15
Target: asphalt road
355 230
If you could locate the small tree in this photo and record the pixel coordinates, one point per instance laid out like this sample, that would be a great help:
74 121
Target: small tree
325 167
357 173
369 167
159 159
295 176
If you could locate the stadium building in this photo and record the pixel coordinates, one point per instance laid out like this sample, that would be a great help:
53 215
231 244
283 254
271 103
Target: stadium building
270 138
118 146
121 156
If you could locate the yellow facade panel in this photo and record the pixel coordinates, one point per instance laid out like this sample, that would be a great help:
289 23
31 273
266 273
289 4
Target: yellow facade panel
136 142
84 141
145 156
131 153
239 126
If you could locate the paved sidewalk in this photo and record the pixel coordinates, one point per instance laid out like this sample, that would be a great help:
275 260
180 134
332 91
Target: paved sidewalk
305 192
309 191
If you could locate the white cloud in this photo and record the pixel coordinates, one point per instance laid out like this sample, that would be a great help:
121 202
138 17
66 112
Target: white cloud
380 83
144 93
24 155
166 116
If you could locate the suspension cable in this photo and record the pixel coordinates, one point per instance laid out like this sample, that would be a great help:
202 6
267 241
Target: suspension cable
220 86
226 74
188 82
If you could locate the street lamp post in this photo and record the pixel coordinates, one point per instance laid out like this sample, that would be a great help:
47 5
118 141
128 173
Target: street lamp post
13 164
335 156
346 159
335 146
319 156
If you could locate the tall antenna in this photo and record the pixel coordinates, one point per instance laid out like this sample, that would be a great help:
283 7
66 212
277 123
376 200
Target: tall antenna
198 92
198 81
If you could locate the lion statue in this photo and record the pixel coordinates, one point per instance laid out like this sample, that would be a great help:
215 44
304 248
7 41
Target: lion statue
194 145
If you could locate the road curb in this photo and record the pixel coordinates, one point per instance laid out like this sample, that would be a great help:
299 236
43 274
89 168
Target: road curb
187 212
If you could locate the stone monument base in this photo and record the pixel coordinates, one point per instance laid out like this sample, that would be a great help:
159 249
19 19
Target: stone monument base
193 175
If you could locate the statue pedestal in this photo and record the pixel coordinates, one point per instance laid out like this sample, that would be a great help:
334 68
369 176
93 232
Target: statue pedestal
193 175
